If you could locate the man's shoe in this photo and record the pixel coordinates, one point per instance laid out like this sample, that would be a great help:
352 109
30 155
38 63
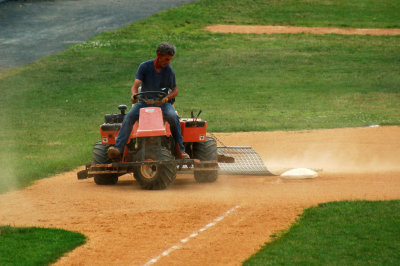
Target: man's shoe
113 153
185 156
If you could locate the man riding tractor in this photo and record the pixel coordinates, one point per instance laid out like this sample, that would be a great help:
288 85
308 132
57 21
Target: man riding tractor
153 76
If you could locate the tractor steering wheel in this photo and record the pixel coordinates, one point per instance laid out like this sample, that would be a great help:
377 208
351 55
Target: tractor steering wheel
157 101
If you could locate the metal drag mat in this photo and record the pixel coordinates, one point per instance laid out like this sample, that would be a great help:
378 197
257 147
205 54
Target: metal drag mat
247 161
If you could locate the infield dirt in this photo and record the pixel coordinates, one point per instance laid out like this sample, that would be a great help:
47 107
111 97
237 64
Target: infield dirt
126 225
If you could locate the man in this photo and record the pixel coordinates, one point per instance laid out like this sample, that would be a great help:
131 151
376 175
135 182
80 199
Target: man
152 75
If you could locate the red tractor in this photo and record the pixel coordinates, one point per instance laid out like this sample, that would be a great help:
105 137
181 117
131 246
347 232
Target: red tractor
151 153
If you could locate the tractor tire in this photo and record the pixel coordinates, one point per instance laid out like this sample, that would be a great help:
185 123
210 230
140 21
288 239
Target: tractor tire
100 157
156 177
205 151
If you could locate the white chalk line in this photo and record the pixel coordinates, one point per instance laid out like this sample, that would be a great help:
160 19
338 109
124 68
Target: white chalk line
193 235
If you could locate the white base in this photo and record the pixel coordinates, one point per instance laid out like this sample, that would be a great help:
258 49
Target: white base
299 173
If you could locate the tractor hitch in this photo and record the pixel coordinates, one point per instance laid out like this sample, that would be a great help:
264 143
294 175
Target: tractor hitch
83 174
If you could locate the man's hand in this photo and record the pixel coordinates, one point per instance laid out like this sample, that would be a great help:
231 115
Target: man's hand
165 100
134 99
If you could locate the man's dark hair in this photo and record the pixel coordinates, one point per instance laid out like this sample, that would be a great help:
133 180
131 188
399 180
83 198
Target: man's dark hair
166 48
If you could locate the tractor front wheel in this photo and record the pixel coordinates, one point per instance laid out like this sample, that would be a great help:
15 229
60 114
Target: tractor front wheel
100 157
157 176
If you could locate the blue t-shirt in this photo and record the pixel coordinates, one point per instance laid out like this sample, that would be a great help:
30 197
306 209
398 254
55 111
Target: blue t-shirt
154 81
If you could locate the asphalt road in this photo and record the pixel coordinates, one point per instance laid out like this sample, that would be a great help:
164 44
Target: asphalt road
32 29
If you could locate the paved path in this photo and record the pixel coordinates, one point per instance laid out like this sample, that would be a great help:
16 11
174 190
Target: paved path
32 29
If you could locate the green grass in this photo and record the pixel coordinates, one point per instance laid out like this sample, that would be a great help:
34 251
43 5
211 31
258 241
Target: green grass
52 109
338 233
293 82
338 13
35 246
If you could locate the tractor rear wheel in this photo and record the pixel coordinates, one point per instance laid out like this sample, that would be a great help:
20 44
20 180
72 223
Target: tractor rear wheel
205 151
100 157
157 176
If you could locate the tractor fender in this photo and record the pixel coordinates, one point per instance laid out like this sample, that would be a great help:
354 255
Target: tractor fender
151 123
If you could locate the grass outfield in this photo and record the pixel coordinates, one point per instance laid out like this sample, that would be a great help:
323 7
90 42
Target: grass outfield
338 233
51 109
35 246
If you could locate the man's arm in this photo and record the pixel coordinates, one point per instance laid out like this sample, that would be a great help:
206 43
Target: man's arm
173 93
170 96
135 87
135 90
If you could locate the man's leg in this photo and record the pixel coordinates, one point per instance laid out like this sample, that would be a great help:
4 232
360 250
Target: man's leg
173 119
129 120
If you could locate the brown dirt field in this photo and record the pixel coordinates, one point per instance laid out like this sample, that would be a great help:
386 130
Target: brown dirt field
259 29
129 226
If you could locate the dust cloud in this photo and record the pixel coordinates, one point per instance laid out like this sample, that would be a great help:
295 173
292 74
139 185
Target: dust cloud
347 150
